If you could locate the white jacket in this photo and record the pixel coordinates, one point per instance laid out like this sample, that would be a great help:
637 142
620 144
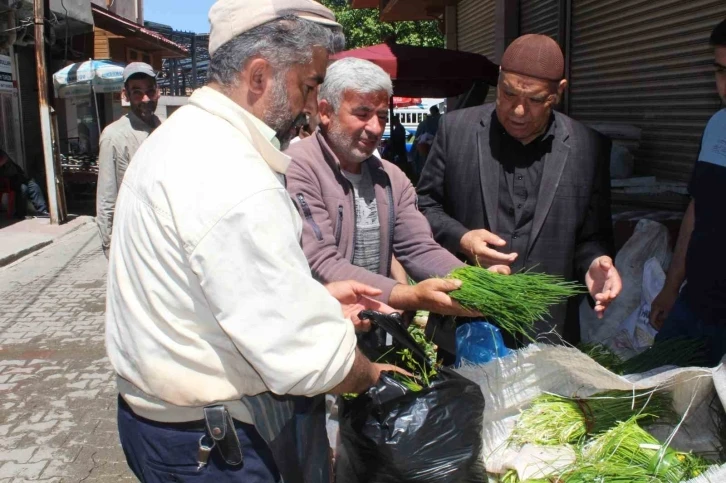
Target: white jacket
210 296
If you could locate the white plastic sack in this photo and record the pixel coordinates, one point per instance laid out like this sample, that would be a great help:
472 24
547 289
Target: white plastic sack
636 334
649 240
510 384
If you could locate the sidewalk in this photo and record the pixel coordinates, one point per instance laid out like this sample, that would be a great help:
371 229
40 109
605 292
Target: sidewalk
25 237
57 388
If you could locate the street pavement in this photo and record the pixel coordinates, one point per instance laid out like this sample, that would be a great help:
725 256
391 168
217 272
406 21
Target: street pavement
57 390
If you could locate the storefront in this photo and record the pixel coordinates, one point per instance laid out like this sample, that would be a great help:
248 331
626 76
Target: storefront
10 139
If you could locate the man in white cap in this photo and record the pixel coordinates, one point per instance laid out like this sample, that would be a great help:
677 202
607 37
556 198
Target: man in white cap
215 327
120 141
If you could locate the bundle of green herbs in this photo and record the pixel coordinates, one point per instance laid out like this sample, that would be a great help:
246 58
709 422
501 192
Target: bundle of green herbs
681 352
555 420
629 445
602 355
514 302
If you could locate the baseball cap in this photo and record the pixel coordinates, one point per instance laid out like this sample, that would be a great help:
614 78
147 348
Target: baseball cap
138 68
230 18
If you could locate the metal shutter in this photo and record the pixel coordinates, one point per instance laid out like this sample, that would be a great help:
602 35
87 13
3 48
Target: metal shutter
540 17
475 30
475 27
647 63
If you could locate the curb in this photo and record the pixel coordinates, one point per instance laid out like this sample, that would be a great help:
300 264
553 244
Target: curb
14 257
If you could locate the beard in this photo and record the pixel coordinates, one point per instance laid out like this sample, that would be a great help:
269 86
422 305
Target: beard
145 110
279 116
344 142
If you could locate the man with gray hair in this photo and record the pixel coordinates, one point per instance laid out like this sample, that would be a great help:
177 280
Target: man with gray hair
360 211
216 330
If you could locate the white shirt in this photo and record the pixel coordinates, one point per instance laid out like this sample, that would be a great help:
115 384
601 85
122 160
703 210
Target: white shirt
210 297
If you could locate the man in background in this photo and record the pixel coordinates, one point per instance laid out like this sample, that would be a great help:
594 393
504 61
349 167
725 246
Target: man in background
120 141
26 188
699 310
425 133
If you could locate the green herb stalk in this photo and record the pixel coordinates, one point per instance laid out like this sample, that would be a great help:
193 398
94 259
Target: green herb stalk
627 444
514 302
554 420
681 352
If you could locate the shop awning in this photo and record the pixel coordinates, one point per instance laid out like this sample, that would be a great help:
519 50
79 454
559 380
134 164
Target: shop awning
136 35
427 71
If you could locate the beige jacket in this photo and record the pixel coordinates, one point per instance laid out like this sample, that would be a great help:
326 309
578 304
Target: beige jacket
118 144
210 297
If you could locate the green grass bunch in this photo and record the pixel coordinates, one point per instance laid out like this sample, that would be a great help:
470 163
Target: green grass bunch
681 352
627 444
555 420
602 355
514 302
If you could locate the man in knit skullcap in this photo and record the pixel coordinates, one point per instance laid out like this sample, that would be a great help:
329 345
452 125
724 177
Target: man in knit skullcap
520 184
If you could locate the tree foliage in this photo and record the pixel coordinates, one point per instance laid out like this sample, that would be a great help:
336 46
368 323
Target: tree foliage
363 28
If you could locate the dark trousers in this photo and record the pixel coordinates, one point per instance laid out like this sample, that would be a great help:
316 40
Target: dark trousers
29 191
159 452
683 322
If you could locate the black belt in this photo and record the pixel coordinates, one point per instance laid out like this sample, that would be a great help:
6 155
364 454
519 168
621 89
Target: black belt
197 426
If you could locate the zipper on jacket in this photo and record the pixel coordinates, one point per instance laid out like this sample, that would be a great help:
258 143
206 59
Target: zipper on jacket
355 216
391 224
339 226
309 216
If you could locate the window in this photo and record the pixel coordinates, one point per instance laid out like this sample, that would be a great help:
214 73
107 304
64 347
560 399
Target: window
133 55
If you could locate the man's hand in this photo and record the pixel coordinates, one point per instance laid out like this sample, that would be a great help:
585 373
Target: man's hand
378 368
431 294
662 305
354 297
476 246
603 282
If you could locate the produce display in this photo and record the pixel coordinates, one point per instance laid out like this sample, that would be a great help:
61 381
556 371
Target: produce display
607 431
553 419
514 302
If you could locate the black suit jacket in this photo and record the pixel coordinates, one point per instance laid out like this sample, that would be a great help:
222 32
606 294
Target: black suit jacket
459 189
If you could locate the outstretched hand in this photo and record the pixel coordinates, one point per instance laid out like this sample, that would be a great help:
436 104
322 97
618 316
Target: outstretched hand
603 282
355 297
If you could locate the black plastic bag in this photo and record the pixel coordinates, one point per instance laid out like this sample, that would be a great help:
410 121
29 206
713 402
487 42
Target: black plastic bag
392 434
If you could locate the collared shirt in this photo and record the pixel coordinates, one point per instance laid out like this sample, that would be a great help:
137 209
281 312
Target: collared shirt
520 176
210 297
117 146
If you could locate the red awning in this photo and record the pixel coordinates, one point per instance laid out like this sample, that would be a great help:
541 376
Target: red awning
427 71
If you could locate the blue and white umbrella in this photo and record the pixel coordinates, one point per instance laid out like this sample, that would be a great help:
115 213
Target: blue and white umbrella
82 78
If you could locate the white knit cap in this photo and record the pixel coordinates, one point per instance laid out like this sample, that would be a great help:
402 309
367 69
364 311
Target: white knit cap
229 18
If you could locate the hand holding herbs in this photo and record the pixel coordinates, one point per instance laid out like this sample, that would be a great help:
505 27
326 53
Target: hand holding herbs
514 302
432 294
